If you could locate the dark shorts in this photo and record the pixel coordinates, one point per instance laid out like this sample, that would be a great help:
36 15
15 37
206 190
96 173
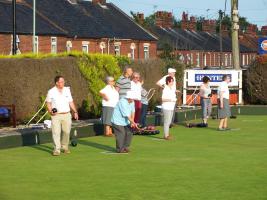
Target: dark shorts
225 111
107 113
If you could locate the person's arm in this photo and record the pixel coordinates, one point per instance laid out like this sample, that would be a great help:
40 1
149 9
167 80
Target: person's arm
221 99
161 82
73 108
49 108
104 96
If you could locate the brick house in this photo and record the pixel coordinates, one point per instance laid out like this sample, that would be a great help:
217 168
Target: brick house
66 25
198 48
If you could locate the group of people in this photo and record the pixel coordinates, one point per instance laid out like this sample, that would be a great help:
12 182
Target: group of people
124 106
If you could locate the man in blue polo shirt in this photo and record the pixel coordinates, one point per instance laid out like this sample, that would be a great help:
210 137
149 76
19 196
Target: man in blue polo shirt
122 120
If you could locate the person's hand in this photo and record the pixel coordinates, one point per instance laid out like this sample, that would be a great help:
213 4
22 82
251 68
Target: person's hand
178 91
221 106
134 125
52 113
76 116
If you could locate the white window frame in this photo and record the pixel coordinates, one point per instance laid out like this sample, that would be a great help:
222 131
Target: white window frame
205 59
36 43
54 45
225 59
198 59
117 50
132 53
85 48
146 52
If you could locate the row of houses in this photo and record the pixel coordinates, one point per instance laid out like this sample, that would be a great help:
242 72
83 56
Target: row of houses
100 27
64 25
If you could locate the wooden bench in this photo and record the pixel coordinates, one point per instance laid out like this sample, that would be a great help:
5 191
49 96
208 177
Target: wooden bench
12 113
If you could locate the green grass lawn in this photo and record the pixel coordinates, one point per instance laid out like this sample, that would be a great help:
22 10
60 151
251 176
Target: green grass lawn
199 164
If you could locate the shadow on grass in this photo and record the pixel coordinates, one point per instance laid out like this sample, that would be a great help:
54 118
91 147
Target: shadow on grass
97 145
43 147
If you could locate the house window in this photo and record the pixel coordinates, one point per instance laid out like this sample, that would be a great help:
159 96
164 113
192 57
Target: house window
226 60
146 52
198 61
132 54
53 45
191 59
36 44
117 50
69 46
132 47
243 59
230 59
247 60
102 47
205 60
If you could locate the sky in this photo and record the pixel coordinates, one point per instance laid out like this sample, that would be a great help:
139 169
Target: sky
254 10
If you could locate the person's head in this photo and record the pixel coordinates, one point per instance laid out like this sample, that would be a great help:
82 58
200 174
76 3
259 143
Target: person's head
136 77
128 71
171 72
130 96
59 81
226 78
110 80
205 79
169 80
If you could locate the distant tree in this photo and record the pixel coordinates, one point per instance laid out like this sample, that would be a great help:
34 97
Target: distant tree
199 22
148 21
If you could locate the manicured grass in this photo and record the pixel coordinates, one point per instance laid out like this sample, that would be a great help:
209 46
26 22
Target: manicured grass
199 164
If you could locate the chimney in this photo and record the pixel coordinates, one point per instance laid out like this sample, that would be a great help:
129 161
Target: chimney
209 26
164 19
102 2
264 30
188 24
251 29
140 18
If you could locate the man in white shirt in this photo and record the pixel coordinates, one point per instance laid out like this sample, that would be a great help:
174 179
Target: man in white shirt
59 102
162 82
223 103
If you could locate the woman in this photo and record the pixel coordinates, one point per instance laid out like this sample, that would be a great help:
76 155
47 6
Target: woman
144 102
136 88
205 99
168 105
110 99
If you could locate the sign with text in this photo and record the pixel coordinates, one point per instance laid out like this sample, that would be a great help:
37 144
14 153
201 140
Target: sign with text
262 45
195 77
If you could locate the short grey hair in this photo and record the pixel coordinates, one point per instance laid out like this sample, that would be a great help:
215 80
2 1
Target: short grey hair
126 68
109 78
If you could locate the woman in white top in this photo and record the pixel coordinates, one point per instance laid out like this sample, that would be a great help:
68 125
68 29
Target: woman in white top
110 99
136 88
205 99
224 110
168 104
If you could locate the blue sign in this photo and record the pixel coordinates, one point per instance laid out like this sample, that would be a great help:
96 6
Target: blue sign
262 45
213 77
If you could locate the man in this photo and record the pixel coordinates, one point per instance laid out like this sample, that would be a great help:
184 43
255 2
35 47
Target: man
59 102
122 120
223 103
171 72
123 84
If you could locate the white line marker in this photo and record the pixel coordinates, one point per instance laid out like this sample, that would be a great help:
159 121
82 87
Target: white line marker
159 139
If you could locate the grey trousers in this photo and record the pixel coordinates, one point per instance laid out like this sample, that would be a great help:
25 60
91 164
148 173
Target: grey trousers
206 108
123 136
167 120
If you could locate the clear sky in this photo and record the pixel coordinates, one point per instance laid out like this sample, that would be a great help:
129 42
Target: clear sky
254 10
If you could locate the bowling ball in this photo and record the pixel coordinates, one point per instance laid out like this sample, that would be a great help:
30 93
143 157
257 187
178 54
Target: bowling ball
74 143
